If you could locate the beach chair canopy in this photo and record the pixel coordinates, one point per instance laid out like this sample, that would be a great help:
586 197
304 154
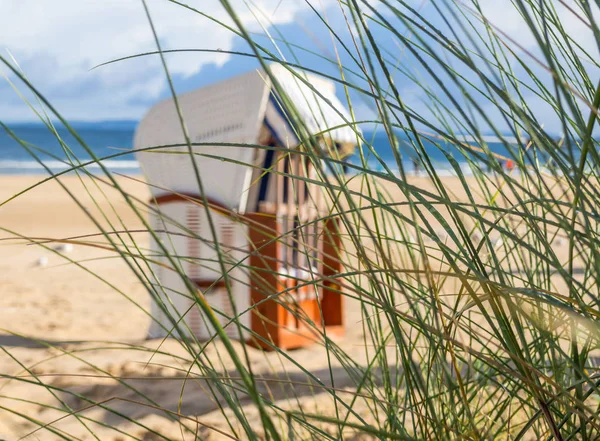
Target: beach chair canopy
222 119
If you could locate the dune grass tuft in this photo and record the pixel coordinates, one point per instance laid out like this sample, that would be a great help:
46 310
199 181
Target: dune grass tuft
472 288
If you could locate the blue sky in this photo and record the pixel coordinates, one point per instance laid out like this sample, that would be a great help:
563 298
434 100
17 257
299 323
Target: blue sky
56 43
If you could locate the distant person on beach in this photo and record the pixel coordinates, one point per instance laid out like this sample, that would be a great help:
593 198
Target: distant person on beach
415 162
509 164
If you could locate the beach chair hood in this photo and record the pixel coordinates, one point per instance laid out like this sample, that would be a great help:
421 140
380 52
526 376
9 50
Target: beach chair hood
223 120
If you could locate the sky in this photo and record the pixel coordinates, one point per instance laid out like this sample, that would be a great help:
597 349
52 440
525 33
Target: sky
57 44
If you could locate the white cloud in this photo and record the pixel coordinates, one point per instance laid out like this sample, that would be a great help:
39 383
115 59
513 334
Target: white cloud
506 17
57 43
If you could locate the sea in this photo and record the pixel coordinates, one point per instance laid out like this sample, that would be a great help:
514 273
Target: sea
40 152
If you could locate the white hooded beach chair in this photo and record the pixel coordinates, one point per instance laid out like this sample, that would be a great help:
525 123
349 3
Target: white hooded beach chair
279 246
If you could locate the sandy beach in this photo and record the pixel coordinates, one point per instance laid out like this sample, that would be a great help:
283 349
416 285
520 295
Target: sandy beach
87 299
86 296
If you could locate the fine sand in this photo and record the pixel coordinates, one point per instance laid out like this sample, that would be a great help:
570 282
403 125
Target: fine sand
87 299
86 296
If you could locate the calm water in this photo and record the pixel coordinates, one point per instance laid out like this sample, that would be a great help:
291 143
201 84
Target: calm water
104 141
115 140
439 153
